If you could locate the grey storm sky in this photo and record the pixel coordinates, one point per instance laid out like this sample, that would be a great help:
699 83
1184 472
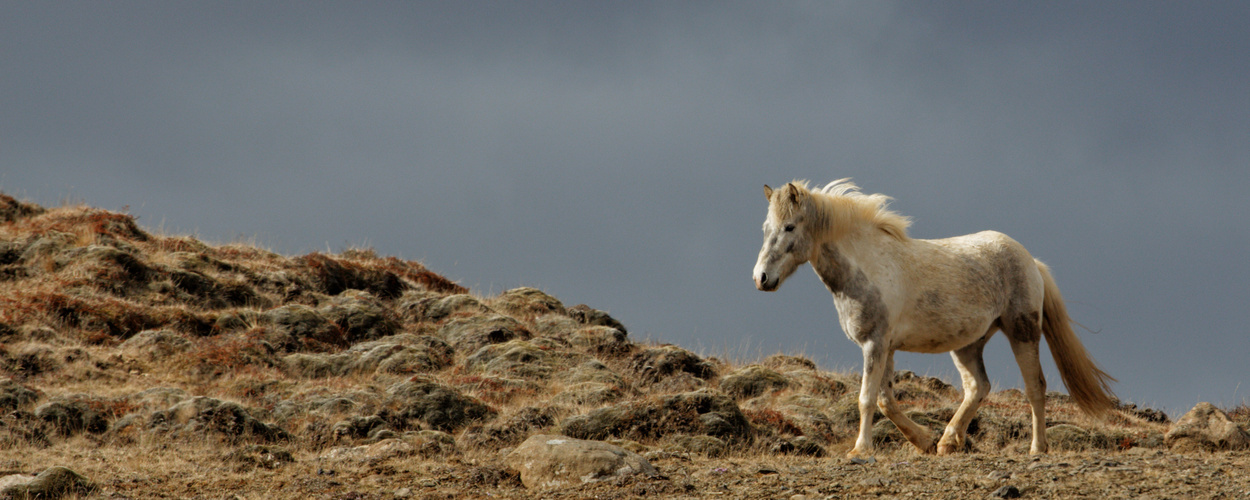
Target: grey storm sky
614 153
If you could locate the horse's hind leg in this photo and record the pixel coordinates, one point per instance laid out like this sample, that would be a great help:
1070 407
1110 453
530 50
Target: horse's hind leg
976 385
917 435
1025 344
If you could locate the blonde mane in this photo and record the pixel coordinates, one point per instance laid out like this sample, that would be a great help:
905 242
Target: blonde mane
841 202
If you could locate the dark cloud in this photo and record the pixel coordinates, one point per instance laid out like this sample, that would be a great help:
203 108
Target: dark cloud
614 153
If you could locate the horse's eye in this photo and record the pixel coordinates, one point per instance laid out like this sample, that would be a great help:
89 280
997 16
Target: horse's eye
789 228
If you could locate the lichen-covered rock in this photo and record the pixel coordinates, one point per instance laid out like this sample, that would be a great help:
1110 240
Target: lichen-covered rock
200 414
602 340
302 322
588 394
752 381
72 416
438 308
360 316
510 430
701 412
472 333
554 462
526 303
15 396
1208 428
655 364
53 482
516 358
438 406
586 315
703 445
155 345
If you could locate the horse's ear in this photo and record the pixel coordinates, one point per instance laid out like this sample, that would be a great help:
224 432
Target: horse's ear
768 193
793 191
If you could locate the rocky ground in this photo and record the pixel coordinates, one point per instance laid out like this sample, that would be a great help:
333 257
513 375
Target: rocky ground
139 365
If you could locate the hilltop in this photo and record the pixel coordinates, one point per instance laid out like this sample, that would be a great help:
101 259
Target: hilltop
154 366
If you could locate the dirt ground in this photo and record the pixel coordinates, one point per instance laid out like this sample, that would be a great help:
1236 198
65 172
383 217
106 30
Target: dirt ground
168 472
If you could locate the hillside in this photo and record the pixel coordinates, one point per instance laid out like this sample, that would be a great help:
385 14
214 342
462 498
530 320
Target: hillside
157 366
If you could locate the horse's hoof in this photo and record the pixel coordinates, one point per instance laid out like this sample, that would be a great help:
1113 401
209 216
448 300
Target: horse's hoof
859 454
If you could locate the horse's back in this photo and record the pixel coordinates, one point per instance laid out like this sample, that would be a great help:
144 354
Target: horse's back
962 285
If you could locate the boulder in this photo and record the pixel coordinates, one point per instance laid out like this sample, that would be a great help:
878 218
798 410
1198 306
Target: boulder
655 364
442 408
302 322
71 416
594 317
700 412
752 381
53 482
472 333
549 462
14 396
360 315
1206 427
527 303
201 414
154 345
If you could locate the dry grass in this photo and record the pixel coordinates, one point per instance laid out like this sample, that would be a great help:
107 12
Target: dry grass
161 366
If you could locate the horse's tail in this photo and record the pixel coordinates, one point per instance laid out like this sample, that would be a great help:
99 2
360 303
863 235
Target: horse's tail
1088 384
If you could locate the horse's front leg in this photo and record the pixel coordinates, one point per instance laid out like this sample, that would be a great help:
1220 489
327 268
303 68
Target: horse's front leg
875 363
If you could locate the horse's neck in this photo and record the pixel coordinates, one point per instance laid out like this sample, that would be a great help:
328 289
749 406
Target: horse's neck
845 263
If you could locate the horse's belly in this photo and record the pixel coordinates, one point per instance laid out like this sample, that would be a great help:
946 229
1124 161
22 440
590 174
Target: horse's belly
937 340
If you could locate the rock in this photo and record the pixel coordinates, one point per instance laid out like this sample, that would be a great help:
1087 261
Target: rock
15 396
518 359
701 412
53 482
586 315
655 364
588 393
438 406
11 209
509 431
1007 491
155 345
551 462
702 445
752 381
70 417
472 333
526 303
302 322
784 362
1206 427
436 309
603 340
360 315
195 416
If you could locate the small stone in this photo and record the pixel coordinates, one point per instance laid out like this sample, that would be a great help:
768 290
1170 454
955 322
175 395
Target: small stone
767 470
876 481
999 475
864 461
1008 491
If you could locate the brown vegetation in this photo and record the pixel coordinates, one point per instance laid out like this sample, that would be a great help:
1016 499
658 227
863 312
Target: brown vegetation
161 366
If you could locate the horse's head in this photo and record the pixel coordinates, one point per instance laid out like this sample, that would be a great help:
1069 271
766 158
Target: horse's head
787 237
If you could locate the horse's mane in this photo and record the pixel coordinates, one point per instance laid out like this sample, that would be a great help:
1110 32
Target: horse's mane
849 201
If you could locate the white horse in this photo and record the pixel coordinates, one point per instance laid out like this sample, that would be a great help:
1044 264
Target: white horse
897 293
